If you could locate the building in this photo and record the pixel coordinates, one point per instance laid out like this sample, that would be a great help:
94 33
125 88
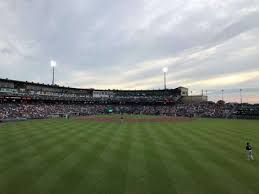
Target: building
30 91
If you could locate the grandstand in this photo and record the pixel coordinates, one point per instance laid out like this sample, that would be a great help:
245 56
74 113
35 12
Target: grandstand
21 100
30 91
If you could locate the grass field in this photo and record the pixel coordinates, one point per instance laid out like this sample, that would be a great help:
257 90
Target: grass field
204 156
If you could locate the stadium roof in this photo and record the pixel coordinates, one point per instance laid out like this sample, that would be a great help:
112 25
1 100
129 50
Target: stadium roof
57 86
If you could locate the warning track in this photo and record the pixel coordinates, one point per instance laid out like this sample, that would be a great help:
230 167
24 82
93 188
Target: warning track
154 119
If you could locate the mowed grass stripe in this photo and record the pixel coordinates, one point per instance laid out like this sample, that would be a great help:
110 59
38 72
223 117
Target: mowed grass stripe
233 127
71 156
48 138
16 128
215 138
233 148
65 175
229 156
90 156
157 175
41 160
54 151
136 181
171 154
191 161
192 143
38 148
44 129
33 130
26 136
23 164
108 174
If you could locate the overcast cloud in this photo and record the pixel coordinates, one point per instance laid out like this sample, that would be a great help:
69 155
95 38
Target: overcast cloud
205 44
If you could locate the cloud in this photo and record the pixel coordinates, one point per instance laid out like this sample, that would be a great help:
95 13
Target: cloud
226 80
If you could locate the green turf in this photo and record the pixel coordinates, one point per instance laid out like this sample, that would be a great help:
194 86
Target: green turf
204 156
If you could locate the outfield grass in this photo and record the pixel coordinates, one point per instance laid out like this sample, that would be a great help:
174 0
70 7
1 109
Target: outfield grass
69 156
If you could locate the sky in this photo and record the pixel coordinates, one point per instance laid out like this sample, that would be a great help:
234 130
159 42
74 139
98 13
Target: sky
206 44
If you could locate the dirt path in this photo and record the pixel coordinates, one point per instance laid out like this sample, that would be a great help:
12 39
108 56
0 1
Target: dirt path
135 120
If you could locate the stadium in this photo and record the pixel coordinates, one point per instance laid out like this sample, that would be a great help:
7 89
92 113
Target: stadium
129 97
72 140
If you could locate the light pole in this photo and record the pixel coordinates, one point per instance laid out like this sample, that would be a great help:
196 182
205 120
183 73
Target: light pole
53 64
165 70
241 97
191 97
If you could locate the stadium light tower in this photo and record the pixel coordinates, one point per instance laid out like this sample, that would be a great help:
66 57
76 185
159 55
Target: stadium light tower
222 95
165 70
241 97
53 64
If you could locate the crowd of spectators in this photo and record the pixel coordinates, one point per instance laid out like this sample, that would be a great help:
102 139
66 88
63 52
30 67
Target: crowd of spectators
9 111
152 100
36 111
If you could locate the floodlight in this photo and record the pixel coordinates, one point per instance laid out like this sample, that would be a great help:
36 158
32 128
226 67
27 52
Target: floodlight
165 69
53 63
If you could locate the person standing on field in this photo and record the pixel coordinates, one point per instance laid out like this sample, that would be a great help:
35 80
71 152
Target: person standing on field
249 151
121 119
